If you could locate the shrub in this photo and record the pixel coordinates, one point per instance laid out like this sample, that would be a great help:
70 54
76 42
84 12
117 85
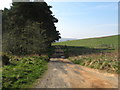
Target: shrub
5 60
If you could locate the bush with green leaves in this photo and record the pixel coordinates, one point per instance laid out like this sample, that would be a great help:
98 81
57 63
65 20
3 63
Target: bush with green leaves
5 60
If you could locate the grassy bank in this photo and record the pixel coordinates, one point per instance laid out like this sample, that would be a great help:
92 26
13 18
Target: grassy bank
23 71
99 53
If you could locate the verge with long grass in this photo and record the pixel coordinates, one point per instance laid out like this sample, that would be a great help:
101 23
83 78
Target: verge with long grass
22 72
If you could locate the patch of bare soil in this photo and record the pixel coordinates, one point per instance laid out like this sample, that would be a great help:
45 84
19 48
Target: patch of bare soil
64 74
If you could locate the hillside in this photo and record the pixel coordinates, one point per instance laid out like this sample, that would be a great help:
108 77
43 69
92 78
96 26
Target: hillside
109 41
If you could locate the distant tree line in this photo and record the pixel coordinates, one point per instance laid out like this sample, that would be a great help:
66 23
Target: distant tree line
28 28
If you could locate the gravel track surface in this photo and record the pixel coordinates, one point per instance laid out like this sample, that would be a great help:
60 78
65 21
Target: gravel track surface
64 74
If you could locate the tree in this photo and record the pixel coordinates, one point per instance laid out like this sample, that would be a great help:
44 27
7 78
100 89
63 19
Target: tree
28 28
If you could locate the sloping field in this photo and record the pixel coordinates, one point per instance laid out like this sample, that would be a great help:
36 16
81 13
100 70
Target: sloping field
109 41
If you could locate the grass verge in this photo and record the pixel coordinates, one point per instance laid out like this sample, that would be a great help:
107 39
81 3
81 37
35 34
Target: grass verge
107 61
23 72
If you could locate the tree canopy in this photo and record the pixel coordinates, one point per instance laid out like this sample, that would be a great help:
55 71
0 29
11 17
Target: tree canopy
28 28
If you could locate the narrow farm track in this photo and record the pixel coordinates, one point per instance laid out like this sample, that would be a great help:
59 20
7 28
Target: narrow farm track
64 74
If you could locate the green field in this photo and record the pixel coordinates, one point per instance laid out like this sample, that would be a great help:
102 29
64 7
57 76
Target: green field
111 41
99 53
91 45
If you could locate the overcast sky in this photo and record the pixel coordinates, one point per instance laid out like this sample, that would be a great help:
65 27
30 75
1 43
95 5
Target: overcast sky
83 19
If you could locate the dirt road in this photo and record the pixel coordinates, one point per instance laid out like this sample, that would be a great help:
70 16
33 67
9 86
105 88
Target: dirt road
64 74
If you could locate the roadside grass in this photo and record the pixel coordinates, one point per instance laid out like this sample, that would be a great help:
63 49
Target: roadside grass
0 78
22 72
107 61
97 53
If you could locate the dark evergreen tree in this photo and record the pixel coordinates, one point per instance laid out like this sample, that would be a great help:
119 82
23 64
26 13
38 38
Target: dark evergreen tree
28 28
